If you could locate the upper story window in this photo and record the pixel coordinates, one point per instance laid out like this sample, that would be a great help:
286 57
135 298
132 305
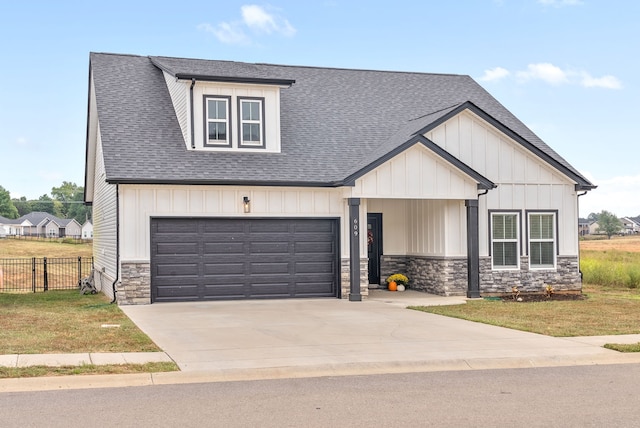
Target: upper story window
251 113
217 118
505 240
542 241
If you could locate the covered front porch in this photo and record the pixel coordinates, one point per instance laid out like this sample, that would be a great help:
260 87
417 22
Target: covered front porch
433 242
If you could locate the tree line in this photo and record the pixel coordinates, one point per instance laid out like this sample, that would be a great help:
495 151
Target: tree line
65 201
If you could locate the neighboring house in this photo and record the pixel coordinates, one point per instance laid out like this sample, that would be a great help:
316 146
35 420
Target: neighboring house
629 226
228 180
594 228
4 226
583 226
87 230
44 225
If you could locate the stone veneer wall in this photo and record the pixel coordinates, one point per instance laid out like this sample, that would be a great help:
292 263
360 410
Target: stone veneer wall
134 287
566 277
448 276
346 278
435 275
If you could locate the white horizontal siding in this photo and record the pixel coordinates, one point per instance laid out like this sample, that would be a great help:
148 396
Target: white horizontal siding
179 91
104 222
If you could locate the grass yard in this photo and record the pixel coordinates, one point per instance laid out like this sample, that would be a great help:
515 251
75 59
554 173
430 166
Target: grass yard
66 322
19 248
611 271
605 311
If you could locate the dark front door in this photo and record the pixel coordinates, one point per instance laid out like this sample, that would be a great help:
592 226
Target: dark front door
374 246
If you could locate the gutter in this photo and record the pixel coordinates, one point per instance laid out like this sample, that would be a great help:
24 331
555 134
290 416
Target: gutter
113 286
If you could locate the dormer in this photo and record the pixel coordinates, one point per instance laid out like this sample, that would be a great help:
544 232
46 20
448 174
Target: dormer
219 110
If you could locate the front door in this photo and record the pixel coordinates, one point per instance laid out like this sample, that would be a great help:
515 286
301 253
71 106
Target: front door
374 245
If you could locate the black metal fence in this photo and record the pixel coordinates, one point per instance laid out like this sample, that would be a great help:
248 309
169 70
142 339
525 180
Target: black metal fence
43 274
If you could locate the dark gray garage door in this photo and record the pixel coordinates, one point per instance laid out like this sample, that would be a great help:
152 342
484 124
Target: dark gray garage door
215 259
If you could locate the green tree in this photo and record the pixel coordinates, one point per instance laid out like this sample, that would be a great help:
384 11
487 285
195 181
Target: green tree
609 224
47 205
7 209
23 206
72 198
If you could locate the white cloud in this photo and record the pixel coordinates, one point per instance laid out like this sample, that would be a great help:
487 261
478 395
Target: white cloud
607 82
230 33
544 71
618 195
560 3
494 74
22 141
553 75
254 18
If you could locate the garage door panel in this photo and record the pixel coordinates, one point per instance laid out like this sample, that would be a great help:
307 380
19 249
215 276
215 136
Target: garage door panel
221 292
268 226
177 248
223 248
228 268
313 267
269 268
174 269
243 258
269 248
172 293
176 227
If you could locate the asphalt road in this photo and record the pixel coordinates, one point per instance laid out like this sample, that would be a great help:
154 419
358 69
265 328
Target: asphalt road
585 396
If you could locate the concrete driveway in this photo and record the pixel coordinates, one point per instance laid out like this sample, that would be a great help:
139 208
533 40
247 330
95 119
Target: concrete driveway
305 337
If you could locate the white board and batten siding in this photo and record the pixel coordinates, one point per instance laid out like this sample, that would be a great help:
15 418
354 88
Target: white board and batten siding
138 203
525 182
422 227
416 173
104 221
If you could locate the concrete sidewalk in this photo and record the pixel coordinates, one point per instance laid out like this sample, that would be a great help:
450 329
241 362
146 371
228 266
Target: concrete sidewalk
246 340
79 359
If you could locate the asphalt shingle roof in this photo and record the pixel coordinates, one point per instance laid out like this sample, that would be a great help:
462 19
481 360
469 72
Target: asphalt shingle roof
334 122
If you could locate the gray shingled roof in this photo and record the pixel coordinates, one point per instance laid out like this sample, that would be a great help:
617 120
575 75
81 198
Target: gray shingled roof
334 122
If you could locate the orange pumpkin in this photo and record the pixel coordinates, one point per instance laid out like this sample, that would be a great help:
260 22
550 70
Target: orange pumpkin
393 286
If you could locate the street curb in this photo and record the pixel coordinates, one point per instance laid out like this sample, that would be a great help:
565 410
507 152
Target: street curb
349 369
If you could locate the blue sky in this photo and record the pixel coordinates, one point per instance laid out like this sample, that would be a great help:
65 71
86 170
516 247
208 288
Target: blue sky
569 69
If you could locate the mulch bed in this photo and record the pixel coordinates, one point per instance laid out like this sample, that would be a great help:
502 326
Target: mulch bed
527 298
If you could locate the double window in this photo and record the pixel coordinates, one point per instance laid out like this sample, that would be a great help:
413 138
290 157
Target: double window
541 240
218 122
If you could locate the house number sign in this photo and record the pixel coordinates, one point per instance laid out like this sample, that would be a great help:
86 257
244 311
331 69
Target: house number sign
355 227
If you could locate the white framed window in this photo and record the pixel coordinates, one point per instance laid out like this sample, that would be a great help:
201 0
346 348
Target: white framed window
505 240
251 118
217 121
542 240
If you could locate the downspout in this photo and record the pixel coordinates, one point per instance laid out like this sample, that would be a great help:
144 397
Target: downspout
113 286
578 207
193 142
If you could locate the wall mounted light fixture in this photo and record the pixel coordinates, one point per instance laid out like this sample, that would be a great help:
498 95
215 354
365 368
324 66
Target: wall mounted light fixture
246 204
